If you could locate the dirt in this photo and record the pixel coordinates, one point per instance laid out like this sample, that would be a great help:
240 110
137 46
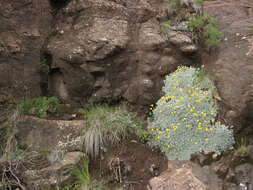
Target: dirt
139 157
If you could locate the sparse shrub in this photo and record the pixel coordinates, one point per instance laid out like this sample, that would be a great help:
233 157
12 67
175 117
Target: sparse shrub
40 107
205 29
184 118
106 125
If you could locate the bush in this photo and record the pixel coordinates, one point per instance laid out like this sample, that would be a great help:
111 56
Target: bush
205 28
40 107
183 121
106 125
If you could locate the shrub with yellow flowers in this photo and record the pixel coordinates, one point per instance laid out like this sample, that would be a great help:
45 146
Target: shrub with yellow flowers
183 120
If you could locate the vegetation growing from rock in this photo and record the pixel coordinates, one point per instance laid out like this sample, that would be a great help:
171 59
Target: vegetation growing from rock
165 26
183 121
107 125
205 29
83 179
40 107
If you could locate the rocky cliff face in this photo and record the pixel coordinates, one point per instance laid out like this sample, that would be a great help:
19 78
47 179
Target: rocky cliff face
24 27
86 51
233 64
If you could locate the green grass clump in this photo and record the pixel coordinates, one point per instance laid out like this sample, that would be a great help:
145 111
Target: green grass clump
83 180
41 107
183 120
106 125
241 147
205 29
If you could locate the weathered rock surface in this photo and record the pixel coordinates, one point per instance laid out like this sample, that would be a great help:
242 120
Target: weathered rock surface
233 64
86 51
53 175
185 175
24 28
43 135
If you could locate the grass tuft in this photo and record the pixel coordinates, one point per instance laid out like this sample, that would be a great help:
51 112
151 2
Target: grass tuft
107 125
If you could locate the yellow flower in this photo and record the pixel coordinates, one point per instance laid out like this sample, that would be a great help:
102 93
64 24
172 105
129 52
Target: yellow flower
206 139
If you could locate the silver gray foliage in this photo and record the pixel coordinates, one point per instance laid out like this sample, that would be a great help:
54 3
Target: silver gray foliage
184 118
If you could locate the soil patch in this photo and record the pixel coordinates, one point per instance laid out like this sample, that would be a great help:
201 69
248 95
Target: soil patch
138 157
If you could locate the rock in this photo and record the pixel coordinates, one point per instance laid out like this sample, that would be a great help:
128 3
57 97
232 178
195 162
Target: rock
112 41
154 170
189 49
51 176
232 61
179 179
184 175
166 64
22 35
150 34
244 175
182 41
42 135
179 39
250 151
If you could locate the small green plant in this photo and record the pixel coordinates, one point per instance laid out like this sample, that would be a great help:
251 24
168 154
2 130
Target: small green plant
241 147
82 174
205 28
144 135
106 125
174 3
165 26
184 118
83 180
40 107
